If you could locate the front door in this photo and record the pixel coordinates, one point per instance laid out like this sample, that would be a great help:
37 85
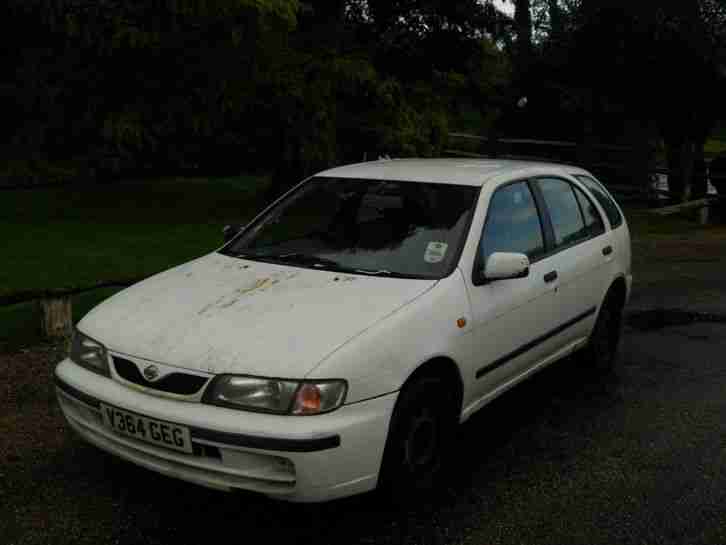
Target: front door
511 315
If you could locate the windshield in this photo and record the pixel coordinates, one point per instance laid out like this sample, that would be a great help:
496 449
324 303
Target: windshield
386 228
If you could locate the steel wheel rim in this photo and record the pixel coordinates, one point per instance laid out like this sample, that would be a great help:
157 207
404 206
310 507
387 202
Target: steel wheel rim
421 444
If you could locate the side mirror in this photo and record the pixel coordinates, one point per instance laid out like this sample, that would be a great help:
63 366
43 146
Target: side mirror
504 265
231 231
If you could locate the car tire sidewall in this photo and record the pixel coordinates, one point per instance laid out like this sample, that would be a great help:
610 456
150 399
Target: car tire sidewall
425 398
603 348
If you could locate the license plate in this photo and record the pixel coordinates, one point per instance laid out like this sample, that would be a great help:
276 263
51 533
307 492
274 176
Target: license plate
157 432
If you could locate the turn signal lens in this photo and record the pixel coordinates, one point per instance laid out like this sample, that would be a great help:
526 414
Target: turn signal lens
308 399
319 397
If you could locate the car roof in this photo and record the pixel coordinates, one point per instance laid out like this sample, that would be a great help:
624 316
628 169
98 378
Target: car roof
473 172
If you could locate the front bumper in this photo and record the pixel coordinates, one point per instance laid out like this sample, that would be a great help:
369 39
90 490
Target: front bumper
314 458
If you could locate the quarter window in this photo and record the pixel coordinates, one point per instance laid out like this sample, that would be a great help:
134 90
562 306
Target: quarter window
593 221
512 224
605 200
567 221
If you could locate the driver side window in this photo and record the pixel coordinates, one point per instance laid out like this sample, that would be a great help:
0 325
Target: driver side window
512 224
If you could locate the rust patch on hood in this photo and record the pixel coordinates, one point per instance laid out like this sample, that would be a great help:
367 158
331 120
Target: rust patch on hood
344 279
259 285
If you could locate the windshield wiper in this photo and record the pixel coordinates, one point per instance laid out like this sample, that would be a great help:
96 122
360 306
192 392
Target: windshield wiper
318 262
382 272
375 272
291 257
304 259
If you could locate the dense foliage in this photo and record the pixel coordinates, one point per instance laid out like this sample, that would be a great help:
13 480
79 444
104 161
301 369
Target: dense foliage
639 74
97 88
227 85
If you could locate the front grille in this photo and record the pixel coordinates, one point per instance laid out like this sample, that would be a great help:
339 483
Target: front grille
173 383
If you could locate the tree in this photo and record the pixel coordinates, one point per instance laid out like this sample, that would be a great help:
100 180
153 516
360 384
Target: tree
659 61
136 81
222 85
623 71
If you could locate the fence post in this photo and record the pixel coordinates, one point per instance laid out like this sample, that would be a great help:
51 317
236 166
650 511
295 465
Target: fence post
56 317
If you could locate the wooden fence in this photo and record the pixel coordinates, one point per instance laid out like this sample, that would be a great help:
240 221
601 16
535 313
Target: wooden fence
627 171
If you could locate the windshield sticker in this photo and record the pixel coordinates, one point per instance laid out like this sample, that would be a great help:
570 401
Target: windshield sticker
435 252
518 197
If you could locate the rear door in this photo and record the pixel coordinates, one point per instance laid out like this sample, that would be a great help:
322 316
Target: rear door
580 249
620 236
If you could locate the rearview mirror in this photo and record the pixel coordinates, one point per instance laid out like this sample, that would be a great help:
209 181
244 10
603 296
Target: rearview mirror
231 231
504 265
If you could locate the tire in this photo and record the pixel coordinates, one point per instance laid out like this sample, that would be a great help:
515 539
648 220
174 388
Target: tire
423 426
602 350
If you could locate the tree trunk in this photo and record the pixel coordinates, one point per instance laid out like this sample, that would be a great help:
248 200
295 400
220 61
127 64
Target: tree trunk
640 155
523 24
699 183
586 145
688 159
675 176
557 27
523 48
681 154
56 317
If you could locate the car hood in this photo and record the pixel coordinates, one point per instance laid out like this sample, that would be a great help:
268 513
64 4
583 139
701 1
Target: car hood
222 314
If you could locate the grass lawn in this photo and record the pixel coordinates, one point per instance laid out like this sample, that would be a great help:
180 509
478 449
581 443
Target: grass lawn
80 235
714 147
77 236
644 224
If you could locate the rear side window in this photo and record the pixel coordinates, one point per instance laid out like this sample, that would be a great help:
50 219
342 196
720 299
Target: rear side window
567 222
512 223
605 200
593 221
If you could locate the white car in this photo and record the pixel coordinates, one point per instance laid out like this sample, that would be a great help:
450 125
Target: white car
335 342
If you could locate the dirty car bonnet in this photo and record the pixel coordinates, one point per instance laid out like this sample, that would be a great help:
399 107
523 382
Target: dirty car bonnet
222 314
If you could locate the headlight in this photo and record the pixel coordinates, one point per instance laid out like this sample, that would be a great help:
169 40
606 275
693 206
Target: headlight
89 354
276 395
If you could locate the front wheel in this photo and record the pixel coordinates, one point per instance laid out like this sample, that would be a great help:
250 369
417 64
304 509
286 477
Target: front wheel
422 428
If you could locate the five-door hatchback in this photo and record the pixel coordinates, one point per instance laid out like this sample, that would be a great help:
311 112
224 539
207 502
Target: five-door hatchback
333 344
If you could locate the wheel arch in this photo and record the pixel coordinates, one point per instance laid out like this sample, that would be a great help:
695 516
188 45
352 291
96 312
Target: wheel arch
442 367
617 292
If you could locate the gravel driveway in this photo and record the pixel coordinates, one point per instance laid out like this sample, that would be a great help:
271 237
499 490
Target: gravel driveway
637 458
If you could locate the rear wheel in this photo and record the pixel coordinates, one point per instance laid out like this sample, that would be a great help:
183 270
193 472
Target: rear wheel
602 349
422 428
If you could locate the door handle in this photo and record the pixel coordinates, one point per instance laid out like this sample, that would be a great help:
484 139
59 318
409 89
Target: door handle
607 250
550 276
